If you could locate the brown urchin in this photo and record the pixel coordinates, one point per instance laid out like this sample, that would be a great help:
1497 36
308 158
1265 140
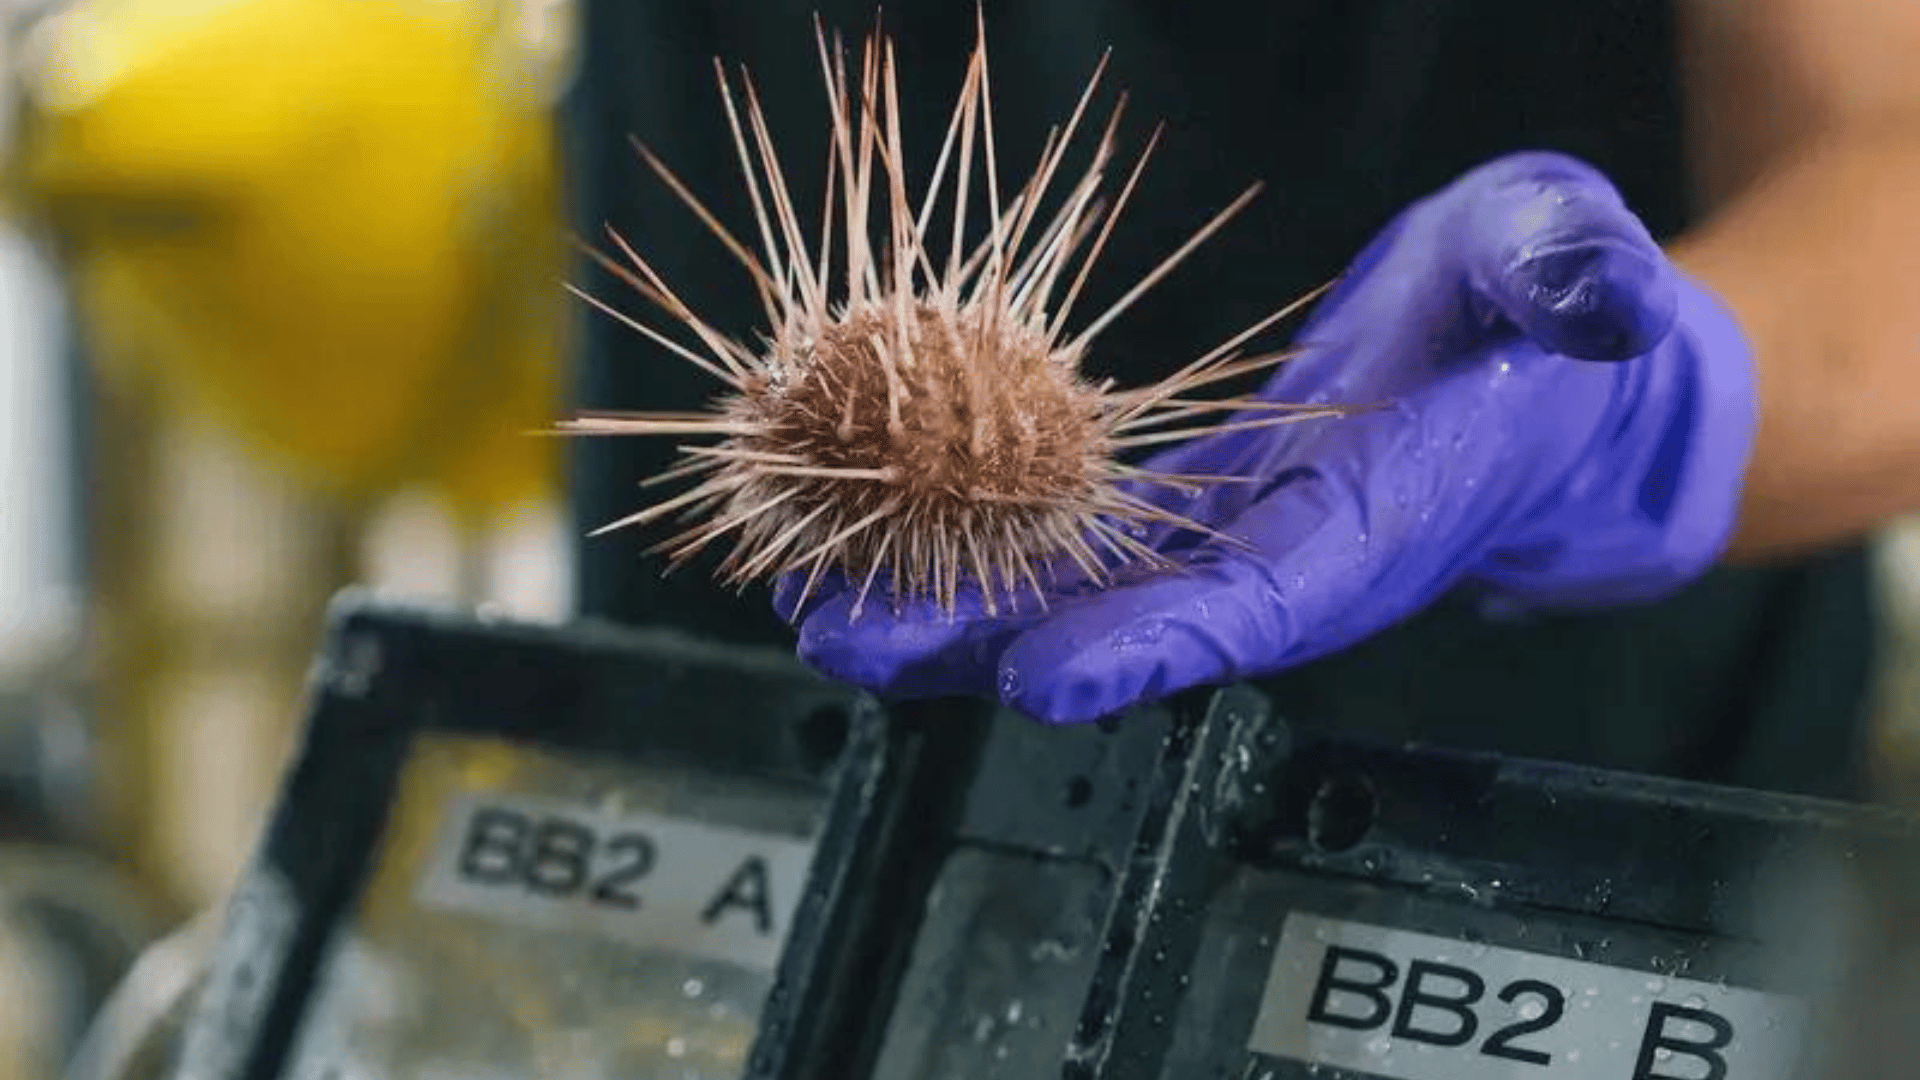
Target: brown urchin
929 420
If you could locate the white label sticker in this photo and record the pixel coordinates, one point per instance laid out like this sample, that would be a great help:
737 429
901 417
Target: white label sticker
689 887
1416 1007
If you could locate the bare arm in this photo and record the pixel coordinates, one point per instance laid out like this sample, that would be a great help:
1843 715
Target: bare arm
1805 138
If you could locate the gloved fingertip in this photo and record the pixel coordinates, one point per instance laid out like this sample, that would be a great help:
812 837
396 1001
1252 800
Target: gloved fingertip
916 650
1066 695
1601 299
1550 241
856 653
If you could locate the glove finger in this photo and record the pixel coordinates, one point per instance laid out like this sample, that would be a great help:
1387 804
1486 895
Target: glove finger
1551 244
915 652
1137 643
1224 614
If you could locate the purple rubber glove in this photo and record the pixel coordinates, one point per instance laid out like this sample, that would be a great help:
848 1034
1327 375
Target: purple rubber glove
1514 457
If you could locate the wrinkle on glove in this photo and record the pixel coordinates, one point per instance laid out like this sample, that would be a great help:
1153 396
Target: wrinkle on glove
1570 424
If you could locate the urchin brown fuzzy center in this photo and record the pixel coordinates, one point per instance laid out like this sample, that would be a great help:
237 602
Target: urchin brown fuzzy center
978 443
959 407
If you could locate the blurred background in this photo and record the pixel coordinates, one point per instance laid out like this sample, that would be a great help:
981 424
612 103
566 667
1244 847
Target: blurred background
279 305
279 301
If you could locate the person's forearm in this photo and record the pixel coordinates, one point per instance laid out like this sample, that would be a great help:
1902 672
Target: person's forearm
1820 262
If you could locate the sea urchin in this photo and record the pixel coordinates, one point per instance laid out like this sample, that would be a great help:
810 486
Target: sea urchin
926 418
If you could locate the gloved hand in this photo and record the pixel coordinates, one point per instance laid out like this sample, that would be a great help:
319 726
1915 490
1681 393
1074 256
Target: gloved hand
1514 456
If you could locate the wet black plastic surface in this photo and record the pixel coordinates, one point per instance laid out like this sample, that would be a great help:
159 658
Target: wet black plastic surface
996 898
965 867
1667 878
387 675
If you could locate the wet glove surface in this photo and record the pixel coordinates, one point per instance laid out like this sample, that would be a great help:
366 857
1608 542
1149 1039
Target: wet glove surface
1570 421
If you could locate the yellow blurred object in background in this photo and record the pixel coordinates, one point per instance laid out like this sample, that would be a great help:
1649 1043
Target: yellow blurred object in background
332 225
